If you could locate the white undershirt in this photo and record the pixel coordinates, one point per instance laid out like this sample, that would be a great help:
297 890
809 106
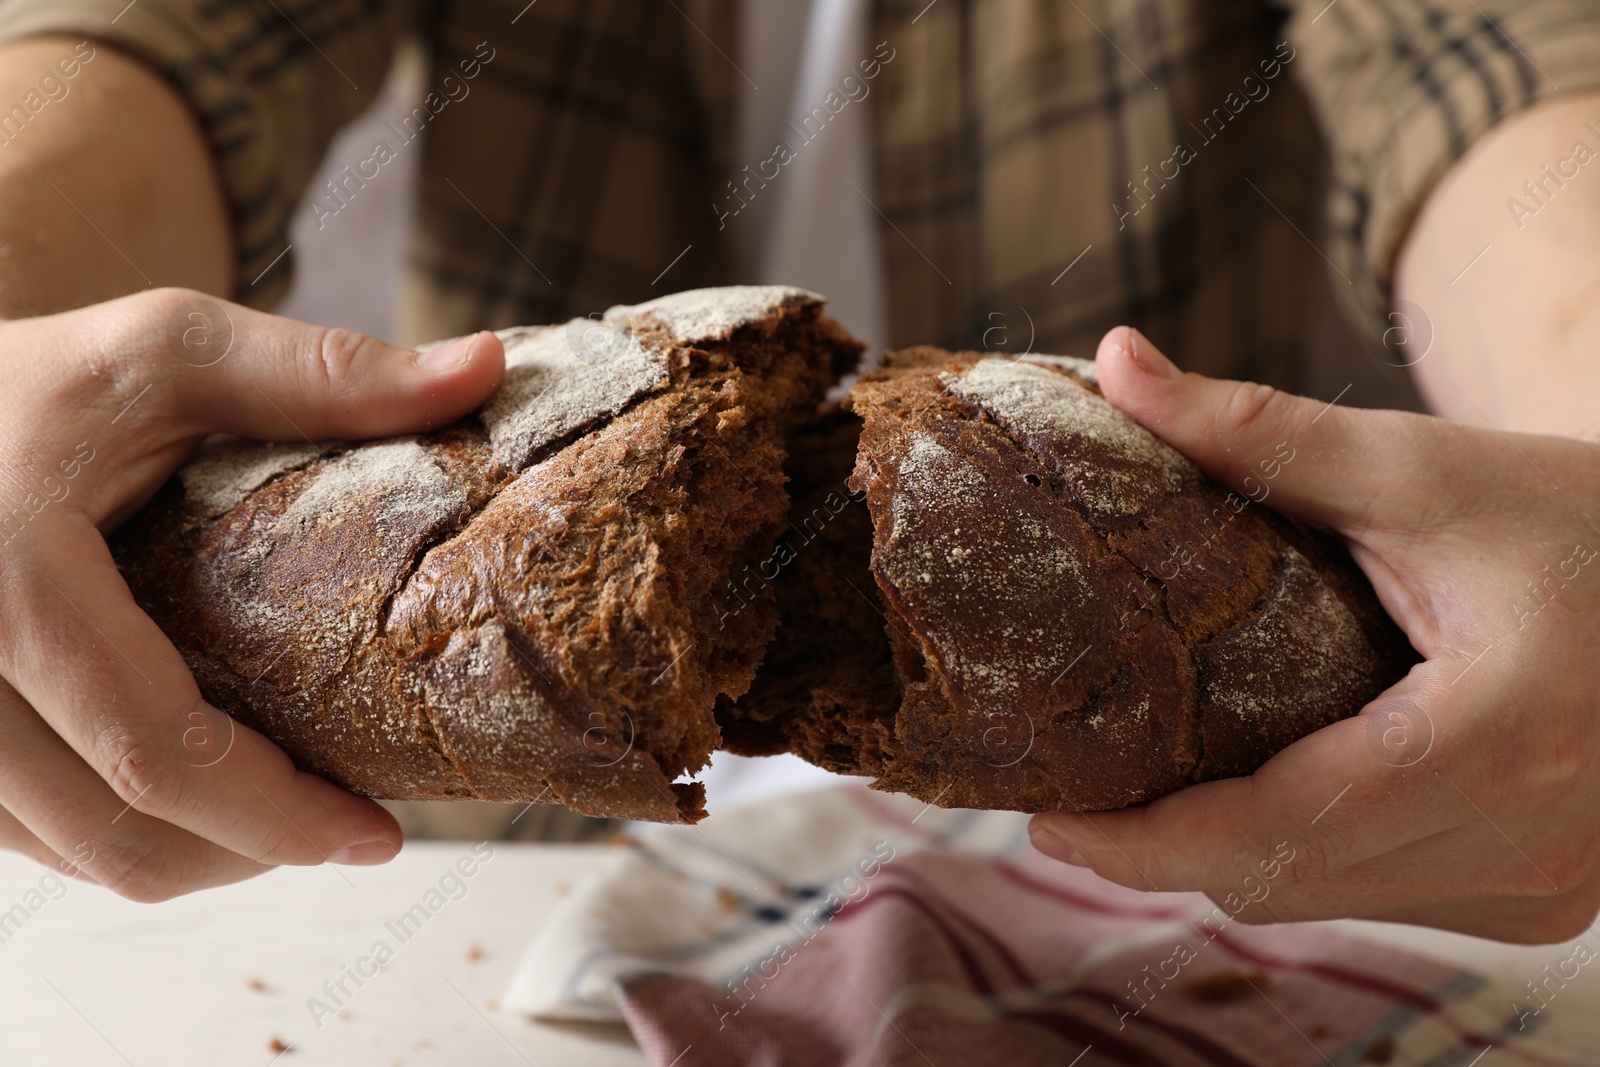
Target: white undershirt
804 227
808 226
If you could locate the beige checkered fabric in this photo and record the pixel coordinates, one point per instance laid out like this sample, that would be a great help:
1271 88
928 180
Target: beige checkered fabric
1175 154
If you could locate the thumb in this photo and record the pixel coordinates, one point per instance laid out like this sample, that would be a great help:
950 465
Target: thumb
1312 459
246 372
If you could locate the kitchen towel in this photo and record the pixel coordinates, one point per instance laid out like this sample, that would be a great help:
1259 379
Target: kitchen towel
846 927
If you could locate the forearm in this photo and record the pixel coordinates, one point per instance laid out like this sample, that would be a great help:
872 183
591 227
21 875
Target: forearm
1515 335
107 188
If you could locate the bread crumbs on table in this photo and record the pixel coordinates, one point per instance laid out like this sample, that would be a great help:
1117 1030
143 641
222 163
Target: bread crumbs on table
276 1045
727 899
474 953
1380 1051
256 985
1225 987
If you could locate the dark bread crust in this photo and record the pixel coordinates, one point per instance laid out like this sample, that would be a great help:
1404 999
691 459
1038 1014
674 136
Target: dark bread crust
517 607
1079 618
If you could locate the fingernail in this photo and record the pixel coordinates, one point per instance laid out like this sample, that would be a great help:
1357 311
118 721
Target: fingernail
365 854
1149 358
450 357
1054 844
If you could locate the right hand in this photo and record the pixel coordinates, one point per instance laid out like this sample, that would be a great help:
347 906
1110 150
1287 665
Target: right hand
1467 795
102 404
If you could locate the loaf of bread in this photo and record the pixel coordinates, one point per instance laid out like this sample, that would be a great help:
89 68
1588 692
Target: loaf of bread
1077 618
995 590
527 604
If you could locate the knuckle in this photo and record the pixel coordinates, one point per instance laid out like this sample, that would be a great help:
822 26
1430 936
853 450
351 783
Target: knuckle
1145 866
287 845
340 355
269 837
1279 907
1256 411
138 872
141 340
1170 872
1313 860
144 330
151 308
1130 876
131 761
105 354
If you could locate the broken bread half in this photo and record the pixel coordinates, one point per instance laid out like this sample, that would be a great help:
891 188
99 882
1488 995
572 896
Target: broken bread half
519 606
1042 606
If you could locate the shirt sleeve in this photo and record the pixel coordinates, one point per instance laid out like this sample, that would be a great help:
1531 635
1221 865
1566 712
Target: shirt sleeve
1403 87
270 81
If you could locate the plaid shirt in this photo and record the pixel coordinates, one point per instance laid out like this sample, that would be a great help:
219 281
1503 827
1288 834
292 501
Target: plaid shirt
1071 165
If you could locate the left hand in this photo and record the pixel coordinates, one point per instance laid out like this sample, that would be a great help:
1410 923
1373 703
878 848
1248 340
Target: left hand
1467 796
112 765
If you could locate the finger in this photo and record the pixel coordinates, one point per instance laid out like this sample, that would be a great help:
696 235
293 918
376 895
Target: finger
291 381
1332 799
86 828
15 837
1469 864
1519 920
101 673
1329 464
241 371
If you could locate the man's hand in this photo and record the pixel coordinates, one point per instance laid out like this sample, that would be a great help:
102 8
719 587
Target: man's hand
98 713
1466 797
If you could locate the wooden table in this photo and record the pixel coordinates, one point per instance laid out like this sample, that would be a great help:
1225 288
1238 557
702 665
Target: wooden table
214 978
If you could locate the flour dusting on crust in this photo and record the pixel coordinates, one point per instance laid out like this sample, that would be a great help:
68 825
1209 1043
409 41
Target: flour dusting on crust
713 314
395 480
228 469
1085 370
1305 640
1056 411
561 378
942 557
378 502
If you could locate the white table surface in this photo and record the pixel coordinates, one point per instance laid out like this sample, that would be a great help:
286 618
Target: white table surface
96 981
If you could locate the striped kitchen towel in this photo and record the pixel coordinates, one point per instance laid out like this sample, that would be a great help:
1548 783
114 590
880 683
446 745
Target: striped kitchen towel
845 927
